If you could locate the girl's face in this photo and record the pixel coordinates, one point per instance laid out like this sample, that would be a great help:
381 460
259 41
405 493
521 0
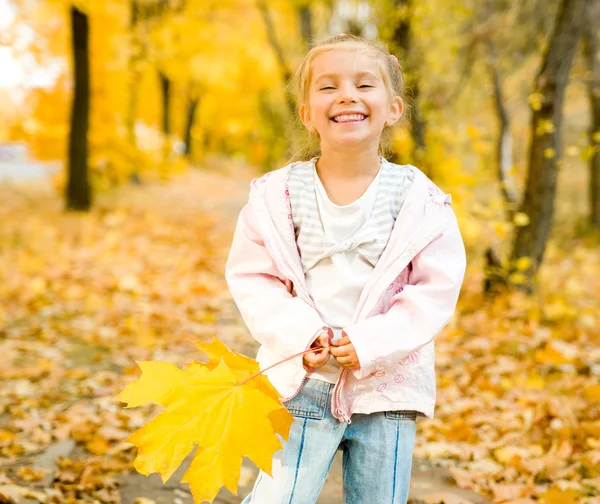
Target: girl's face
348 101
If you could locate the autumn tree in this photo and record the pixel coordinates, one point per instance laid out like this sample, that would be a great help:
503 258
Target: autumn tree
404 47
192 106
545 148
488 38
78 192
165 11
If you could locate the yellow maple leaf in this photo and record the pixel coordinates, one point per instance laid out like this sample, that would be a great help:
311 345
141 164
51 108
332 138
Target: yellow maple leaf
215 406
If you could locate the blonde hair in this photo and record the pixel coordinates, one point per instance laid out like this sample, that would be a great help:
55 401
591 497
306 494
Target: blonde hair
390 71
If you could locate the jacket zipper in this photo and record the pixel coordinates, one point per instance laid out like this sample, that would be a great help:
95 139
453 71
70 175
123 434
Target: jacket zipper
304 378
339 411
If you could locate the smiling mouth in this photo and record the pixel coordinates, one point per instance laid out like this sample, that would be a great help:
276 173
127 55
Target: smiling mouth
349 118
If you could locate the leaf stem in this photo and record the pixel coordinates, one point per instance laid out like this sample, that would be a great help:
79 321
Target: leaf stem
316 349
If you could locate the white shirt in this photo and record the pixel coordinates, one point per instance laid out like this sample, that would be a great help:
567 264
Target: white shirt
337 281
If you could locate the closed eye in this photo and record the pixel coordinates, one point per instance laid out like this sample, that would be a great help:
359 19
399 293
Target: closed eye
364 85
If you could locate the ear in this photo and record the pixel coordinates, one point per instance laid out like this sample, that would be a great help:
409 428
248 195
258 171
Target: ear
305 117
396 109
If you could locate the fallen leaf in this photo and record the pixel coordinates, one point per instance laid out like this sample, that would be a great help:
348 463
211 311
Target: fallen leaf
502 492
27 473
97 445
558 496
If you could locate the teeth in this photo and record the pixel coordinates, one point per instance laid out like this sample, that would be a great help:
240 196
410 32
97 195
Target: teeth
349 118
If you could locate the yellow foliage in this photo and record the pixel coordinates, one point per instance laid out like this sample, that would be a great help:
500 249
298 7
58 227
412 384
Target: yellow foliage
210 405
473 131
535 100
544 127
535 382
523 263
521 219
592 393
588 152
502 228
206 53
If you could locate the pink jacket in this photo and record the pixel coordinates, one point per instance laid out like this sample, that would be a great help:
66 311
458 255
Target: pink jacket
408 300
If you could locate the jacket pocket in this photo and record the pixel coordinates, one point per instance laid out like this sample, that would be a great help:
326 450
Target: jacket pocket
402 415
311 401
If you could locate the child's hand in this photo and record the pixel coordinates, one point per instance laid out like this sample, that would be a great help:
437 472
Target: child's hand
344 352
319 358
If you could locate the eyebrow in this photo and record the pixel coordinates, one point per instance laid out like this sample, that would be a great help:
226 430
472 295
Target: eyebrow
360 74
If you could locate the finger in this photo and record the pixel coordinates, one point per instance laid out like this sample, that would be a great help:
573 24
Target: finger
320 344
324 339
344 340
323 361
318 356
316 364
346 359
315 357
343 350
312 362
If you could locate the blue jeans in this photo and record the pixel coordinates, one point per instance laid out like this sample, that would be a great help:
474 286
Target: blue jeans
377 454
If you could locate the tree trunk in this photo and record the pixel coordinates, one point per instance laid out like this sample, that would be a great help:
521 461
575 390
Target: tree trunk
401 39
504 152
132 105
592 53
546 128
306 29
494 279
189 124
353 27
165 88
78 193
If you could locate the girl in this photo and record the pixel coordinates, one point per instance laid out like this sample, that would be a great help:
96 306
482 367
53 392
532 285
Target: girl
362 257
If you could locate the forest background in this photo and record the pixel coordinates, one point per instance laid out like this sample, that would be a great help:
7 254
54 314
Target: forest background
159 112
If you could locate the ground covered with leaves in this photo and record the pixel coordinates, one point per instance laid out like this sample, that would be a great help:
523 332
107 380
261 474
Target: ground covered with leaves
83 296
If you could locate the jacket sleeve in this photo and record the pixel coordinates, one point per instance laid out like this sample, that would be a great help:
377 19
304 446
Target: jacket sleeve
284 323
420 311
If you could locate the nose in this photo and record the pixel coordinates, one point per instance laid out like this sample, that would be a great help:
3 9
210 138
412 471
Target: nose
347 93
